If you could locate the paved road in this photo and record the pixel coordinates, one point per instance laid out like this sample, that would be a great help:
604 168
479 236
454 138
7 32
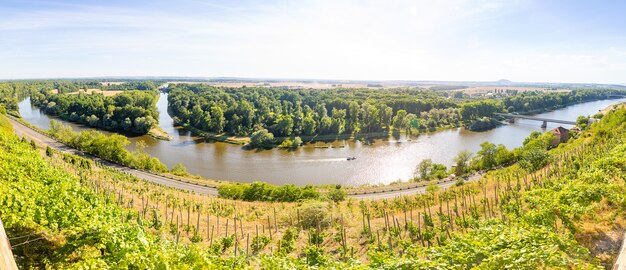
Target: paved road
25 131
416 190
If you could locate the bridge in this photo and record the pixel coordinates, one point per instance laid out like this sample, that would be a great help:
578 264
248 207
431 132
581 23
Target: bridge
544 120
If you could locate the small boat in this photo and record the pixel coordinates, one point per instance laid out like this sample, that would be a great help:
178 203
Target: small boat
351 158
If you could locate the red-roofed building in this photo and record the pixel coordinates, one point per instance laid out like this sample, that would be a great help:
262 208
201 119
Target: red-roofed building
561 135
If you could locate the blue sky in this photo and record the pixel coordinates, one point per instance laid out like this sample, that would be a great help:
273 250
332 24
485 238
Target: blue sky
533 40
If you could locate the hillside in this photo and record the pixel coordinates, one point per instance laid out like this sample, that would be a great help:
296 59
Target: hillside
76 214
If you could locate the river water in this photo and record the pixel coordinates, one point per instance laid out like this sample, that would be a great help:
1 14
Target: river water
380 162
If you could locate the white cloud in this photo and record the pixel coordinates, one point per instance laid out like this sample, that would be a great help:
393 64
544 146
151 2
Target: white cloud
403 39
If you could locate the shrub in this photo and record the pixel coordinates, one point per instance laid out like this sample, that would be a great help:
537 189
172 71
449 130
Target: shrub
314 215
179 170
337 194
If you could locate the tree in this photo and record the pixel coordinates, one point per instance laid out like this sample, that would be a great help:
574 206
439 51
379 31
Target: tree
531 137
412 122
261 138
284 125
93 120
399 120
487 155
308 125
534 159
461 161
218 120
582 121
424 168
337 194
503 155
179 170
297 141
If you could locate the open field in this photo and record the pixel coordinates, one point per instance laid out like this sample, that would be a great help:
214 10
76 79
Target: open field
111 83
492 89
285 84
92 91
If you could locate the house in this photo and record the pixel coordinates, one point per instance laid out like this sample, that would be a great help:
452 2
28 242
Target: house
561 135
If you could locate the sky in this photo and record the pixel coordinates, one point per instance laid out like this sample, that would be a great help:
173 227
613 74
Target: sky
449 40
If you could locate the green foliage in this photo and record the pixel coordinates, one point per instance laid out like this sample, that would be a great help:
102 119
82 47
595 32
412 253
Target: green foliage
476 110
533 135
287 112
314 215
534 159
259 243
179 170
261 138
493 246
130 111
261 191
288 241
491 156
111 148
461 162
432 188
309 112
336 194
315 255
50 203
482 124
49 151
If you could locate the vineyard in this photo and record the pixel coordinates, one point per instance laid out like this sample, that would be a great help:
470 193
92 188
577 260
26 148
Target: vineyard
63 211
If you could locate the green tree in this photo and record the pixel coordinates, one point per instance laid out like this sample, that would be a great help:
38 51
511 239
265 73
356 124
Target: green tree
534 159
308 125
261 138
219 122
399 121
284 125
424 168
487 154
461 161
179 170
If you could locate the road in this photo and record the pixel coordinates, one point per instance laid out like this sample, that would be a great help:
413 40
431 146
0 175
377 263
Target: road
25 131
620 263
409 191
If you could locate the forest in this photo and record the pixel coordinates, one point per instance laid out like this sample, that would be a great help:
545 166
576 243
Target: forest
129 111
556 213
269 115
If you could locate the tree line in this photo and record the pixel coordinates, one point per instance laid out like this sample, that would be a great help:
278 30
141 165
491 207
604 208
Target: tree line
130 111
479 115
268 114
307 112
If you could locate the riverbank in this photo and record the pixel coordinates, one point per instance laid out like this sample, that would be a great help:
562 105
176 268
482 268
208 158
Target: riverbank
159 134
199 185
613 107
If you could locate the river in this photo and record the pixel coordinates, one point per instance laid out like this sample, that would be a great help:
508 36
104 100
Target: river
382 162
